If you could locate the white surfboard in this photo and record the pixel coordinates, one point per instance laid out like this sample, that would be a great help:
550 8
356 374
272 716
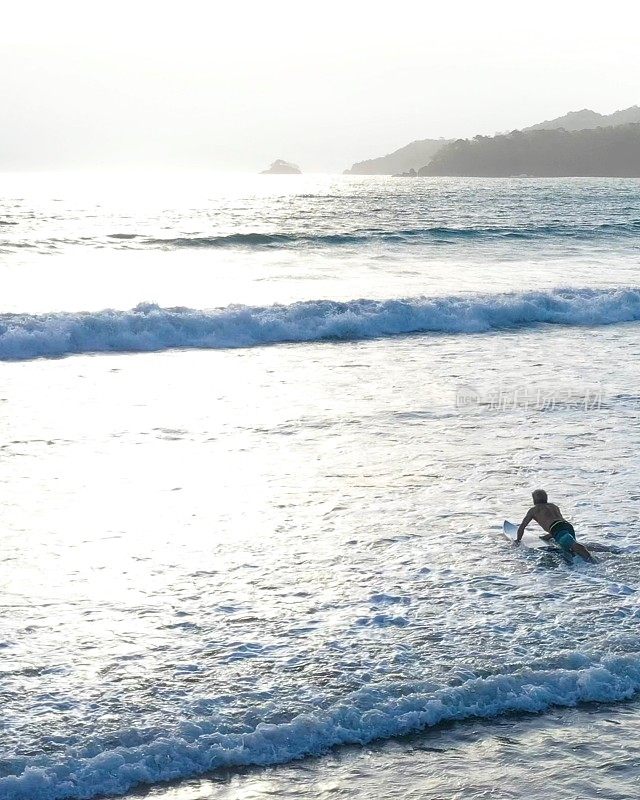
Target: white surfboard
529 539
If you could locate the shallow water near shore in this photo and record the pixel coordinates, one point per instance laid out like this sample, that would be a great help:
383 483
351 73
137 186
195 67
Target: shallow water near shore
221 559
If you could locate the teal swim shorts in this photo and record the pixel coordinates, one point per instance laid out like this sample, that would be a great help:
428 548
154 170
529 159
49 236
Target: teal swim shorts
563 534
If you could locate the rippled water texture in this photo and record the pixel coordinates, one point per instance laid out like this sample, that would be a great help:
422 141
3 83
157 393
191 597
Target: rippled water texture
95 242
219 559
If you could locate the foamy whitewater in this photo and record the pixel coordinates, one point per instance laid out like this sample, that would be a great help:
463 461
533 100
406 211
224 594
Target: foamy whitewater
259 437
149 327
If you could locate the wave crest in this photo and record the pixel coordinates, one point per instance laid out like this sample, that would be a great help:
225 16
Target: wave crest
149 327
436 233
368 714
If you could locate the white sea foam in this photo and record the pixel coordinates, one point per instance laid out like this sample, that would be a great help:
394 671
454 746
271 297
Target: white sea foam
371 713
149 327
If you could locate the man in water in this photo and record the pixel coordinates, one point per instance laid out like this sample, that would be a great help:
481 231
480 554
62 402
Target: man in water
548 516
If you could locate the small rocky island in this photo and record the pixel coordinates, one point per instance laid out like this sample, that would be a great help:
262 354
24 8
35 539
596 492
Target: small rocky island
280 167
411 174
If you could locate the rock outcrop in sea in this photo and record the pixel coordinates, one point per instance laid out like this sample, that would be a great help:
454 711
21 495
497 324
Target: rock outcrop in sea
281 167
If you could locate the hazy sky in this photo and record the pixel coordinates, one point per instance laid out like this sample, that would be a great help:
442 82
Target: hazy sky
231 84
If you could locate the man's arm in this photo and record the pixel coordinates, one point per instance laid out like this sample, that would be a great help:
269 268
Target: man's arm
527 519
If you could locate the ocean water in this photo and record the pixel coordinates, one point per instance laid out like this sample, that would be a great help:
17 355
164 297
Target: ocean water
259 435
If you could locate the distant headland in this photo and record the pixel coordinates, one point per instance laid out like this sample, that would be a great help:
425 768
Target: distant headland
281 167
411 156
580 143
581 120
612 152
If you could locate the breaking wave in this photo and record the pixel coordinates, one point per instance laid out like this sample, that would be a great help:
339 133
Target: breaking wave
379 712
149 327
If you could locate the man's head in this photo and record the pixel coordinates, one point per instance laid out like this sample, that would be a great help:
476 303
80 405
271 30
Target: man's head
539 496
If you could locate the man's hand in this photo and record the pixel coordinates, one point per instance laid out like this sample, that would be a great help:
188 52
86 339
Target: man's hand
517 543
527 519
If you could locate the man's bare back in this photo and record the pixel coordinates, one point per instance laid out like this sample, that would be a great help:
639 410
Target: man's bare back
545 514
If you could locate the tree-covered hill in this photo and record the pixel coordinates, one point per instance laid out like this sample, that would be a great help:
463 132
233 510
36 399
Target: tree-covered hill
611 151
